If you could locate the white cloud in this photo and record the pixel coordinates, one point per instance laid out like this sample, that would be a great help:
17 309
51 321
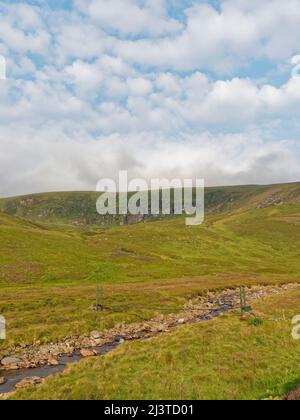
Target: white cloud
22 29
86 78
139 87
222 40
166 102
129 17
45 163
101 87
78 39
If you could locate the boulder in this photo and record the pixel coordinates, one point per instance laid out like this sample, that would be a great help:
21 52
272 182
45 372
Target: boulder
87 353
10 361
29 382
12 367
162 328
100 342
53 362
96 335
2 381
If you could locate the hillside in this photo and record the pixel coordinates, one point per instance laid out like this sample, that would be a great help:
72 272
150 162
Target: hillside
79 208
226 358
49 271
53 254
260 240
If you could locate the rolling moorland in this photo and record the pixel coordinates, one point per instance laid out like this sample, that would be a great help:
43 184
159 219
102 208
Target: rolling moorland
55 250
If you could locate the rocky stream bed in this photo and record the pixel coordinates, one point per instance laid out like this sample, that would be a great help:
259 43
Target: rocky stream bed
30 365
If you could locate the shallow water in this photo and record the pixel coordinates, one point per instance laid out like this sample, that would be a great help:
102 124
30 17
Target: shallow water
14 377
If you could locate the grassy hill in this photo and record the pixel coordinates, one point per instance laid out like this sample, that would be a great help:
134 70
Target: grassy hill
79 208
49 271
260 240
54 250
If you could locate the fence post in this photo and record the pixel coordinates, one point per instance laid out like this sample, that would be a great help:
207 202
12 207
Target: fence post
99 306
244 307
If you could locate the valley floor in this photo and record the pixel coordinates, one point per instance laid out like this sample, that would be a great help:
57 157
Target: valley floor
50 270
226 358
49 277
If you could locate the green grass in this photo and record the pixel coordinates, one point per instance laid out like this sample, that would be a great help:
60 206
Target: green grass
79 208
49 272
250 242
54 250
227 358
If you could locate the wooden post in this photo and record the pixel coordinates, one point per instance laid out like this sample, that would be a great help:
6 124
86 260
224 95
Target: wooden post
243 299
244 307
98 300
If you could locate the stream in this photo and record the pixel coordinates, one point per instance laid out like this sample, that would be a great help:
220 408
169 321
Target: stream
12 378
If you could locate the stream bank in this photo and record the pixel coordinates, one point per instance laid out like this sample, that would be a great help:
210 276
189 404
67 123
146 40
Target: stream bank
29 366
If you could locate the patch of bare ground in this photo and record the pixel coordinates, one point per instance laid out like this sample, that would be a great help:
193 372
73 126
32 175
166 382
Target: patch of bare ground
294 395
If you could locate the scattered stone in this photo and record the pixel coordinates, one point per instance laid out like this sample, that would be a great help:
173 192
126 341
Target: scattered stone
162 328
196 309
12 367
96 335
2 381
31 365
86 342
88 353
29 382
100 342
10 361
53 362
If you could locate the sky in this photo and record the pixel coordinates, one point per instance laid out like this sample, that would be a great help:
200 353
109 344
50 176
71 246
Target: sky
161 88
